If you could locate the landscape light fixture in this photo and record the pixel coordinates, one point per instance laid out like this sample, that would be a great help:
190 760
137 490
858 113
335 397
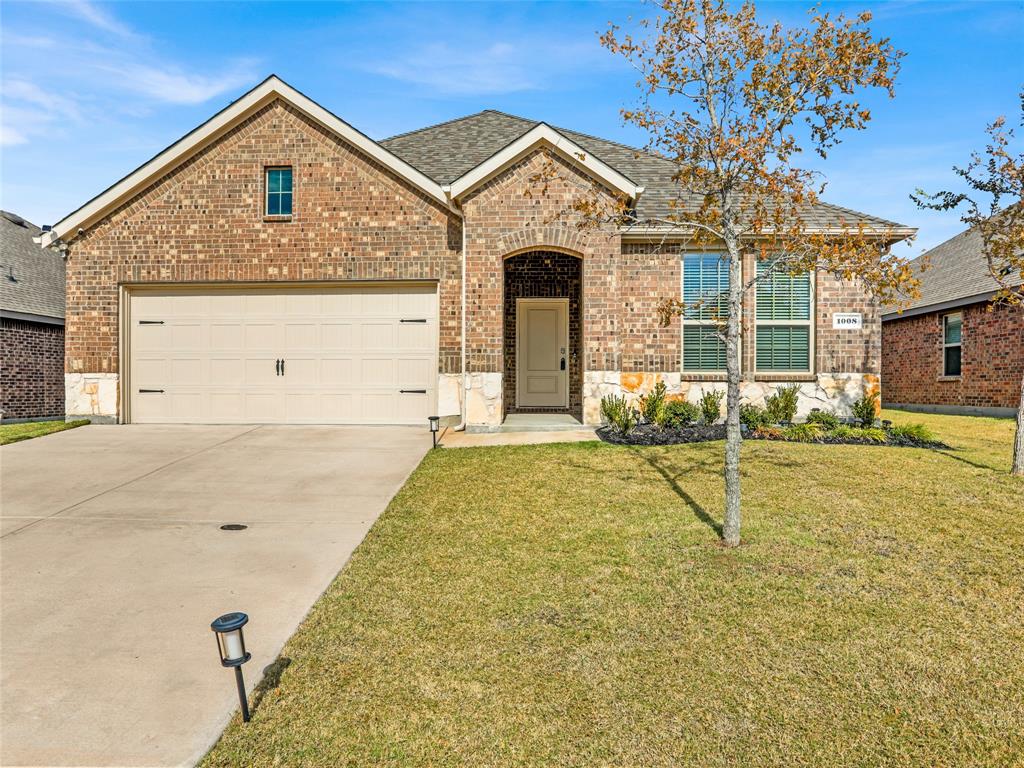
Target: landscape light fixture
435 424
231 646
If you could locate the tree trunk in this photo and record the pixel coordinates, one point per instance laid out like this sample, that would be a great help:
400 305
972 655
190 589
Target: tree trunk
733 437
1018 442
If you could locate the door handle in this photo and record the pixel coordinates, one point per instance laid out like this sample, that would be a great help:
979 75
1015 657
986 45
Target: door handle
282 366
277 367
563 363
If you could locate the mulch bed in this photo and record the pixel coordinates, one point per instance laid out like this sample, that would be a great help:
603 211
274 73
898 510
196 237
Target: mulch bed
647 434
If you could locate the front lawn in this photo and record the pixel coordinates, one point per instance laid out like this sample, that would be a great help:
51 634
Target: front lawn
569 605
12 433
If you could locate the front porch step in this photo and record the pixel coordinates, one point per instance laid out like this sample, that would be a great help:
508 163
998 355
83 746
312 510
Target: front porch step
541 422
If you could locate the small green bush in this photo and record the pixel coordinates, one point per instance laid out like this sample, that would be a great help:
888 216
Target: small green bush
711 405
802 433
825 419
753 416
782 405
619 413
916 432
652 405
846 432
865 408
680 413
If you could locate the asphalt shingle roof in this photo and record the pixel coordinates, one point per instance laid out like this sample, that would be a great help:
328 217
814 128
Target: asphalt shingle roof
38 284
957 270
446 151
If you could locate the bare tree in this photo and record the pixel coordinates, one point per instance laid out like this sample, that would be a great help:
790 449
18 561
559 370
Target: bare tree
733 103
995 209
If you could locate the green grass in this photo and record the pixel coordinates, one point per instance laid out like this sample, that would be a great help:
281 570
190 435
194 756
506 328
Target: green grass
570 605
12 433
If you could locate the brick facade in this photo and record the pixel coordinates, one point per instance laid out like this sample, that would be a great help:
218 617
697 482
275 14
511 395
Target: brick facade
31 370
203 222
353 219
992 359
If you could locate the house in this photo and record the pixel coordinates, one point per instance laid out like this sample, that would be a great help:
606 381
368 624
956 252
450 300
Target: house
31 324
276 265
951 350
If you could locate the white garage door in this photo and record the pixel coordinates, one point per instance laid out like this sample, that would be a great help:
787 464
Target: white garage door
345 355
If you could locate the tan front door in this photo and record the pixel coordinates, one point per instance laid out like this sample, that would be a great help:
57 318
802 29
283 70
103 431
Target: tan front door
318 355
542 348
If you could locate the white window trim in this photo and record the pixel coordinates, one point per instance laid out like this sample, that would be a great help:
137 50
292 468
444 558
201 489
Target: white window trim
811 323
685 322
266 190
942 361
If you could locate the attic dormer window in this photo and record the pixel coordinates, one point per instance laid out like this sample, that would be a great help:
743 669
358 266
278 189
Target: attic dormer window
279 191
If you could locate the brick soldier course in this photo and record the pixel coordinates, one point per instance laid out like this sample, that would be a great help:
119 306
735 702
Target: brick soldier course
395 210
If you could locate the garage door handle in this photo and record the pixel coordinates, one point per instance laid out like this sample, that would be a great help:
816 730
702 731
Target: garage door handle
407 320
277 367
282 366
413 391
151 322
160 391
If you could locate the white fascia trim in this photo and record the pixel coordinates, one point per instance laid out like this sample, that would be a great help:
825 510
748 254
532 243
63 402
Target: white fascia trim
543 134
270 89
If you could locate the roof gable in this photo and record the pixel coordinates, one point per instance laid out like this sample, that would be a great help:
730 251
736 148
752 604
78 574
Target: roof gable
543 135
269 90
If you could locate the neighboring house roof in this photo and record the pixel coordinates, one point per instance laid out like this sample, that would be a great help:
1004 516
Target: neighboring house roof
31 278
957 274
452 149
448 160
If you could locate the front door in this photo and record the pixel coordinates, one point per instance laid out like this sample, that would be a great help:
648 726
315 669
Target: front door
542 347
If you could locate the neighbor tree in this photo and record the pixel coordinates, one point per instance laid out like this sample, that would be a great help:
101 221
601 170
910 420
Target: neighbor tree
995 209
733 104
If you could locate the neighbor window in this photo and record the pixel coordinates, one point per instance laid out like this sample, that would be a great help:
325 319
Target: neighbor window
784 318
279 191
951 330
705 293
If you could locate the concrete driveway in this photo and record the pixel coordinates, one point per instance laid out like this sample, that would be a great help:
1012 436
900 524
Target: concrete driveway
114 564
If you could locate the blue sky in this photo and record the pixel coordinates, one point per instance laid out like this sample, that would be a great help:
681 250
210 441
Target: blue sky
91 90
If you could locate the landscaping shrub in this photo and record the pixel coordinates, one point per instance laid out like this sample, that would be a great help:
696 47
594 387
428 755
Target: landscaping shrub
766 432
680 413
711 405
917 433
782 405
802 433
753 416
619 413
865 408
652 405
826 419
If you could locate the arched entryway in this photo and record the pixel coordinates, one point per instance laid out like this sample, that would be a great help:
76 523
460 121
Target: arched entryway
543 316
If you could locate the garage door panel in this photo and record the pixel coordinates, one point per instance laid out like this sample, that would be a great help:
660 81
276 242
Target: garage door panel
337 336
302 336
227 371
346 352
225 336
187 371
151 371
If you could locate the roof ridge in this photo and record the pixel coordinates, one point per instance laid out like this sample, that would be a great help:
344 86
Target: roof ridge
450 122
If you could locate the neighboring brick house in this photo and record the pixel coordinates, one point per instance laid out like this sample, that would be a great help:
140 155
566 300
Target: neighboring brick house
31 324
276 265
951 350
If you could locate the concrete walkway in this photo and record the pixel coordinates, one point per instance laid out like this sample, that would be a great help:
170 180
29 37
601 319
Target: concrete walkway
114 564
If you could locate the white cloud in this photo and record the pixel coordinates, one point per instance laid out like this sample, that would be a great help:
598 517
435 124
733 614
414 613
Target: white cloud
501 67
28 110
173 86
97 17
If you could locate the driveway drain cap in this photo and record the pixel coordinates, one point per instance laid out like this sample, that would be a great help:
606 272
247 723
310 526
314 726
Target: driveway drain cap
233 527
